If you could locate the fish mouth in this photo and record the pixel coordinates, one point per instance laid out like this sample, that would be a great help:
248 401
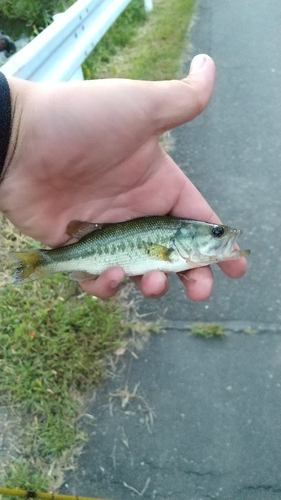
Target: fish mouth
229 250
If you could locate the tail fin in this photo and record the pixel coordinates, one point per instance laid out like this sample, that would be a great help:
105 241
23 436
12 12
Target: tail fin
31 265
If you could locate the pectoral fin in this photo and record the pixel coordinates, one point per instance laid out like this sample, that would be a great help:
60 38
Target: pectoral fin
158 251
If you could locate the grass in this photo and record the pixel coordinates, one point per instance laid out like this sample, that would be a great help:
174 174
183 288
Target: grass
250 331
154 53
208 331
54 340
50 352
23 476
116 38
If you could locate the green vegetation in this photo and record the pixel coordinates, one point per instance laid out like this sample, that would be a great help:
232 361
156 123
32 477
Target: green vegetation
250 331
26 477
53 343
208 331
117 37
153 54
33 12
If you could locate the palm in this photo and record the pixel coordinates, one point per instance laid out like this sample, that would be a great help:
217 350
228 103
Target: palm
111 168
109 197
112 196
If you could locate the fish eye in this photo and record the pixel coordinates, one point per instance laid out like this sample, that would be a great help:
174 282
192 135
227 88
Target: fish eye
218 231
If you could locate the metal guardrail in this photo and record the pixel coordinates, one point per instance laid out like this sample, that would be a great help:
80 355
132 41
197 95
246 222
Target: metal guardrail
57 53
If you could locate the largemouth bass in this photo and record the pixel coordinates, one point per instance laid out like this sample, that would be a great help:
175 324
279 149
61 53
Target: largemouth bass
163 243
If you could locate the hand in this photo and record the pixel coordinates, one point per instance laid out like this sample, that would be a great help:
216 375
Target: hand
90 151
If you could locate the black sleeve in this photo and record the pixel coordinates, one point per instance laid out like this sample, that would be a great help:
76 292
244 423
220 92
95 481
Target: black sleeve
5 119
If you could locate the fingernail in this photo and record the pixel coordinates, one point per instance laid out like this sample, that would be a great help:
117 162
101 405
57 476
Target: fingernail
197 63
114 284
159 294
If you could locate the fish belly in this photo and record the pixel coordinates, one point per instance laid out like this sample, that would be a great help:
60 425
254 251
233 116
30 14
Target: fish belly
133 266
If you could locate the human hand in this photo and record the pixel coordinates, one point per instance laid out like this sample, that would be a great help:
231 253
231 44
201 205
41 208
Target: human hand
89 151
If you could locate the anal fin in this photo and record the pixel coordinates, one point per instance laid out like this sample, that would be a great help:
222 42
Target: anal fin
81 275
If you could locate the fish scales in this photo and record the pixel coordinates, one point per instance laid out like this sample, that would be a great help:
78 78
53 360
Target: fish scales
117 238
128 242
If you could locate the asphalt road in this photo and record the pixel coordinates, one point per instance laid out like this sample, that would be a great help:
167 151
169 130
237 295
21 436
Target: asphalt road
205 422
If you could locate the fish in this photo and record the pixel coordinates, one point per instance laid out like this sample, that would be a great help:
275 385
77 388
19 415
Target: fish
163 243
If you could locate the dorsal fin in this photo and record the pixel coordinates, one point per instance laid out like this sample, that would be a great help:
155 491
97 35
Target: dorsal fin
77 229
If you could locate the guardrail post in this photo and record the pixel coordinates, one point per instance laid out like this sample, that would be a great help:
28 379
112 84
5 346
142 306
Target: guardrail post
148 5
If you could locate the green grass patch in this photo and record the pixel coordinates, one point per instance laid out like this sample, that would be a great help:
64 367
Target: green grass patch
27 477
154 53
208 331
53 344
117 37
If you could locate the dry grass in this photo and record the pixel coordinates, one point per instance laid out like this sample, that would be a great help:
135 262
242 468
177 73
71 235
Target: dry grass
11 240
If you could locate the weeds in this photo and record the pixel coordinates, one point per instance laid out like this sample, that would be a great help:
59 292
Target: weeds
33 12
117 37
250 331
208 331
22 476
53 343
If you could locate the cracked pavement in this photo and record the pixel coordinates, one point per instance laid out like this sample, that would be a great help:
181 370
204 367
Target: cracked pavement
204 422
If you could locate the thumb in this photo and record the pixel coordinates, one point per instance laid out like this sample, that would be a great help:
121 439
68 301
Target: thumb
182 100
